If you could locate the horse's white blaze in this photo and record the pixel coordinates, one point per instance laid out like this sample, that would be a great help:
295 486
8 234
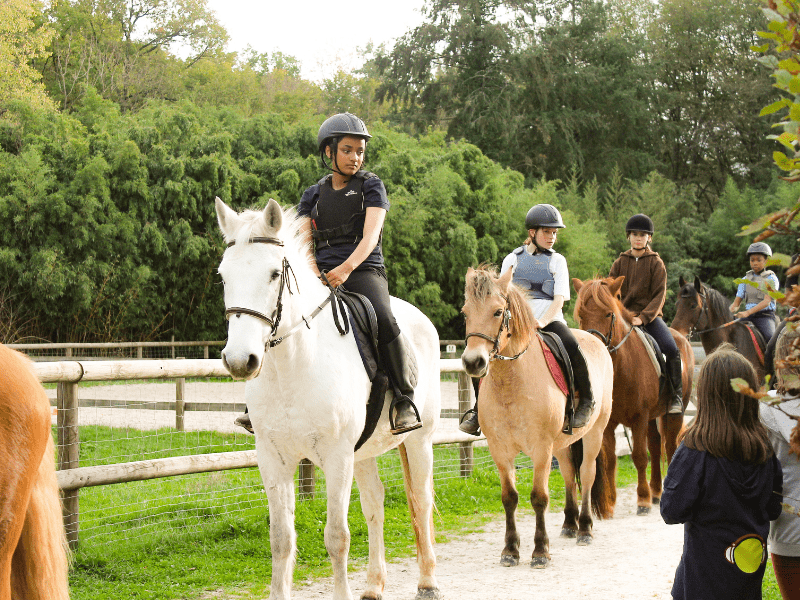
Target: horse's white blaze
307 399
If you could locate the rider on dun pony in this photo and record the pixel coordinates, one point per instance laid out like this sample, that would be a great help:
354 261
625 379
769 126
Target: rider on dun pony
543 273
643 293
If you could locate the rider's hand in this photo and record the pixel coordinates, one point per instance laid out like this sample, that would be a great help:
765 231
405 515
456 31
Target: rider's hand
637 322
733 308
339 275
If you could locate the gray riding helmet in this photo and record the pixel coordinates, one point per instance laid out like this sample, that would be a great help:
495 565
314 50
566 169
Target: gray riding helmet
341 124
759 248
543 215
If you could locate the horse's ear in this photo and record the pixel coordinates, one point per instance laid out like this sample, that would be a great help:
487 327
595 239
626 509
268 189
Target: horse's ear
616 285
273 215
226 217
505 280
577 284
698 285
681 281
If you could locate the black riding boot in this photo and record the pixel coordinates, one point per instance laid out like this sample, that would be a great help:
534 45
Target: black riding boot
675 406
244 421
584 388
403 414
469 420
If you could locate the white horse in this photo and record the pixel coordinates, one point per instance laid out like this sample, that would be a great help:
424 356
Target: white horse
307 393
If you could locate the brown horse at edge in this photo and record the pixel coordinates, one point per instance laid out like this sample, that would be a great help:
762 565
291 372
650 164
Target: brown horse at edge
33 554
638 402
522 410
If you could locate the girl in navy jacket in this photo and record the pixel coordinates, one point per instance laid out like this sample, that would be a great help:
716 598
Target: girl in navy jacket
724 484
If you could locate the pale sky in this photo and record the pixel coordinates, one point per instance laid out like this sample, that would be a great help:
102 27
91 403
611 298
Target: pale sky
319 34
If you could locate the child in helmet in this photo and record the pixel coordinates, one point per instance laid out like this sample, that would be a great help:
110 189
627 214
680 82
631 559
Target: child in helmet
759 307
643 293
543 273
344 214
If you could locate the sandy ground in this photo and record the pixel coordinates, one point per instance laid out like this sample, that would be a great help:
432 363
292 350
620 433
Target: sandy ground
631 557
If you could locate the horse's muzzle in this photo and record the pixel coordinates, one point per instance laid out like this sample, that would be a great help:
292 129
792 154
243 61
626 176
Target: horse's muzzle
241 367
475 363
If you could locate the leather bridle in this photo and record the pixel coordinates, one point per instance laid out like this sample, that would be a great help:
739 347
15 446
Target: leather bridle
504 326
607 338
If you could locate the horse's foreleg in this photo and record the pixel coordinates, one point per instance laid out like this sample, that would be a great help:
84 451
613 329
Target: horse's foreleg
639 457
592 443
509 557
654 446
570 527
278 477
671 427
372 495
339 482
610 450
540 498
419 490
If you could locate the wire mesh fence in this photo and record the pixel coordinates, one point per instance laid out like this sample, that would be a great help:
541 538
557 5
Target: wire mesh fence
122 422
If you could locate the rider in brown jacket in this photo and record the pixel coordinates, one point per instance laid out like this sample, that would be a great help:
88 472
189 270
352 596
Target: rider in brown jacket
643 293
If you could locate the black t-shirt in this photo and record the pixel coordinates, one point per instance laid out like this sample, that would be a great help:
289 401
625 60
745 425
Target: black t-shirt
330 257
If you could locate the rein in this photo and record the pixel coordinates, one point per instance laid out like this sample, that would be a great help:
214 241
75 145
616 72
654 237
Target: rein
704 313
494 355
275 320
607 338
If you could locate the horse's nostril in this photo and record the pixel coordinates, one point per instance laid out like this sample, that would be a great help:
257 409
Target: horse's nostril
252 363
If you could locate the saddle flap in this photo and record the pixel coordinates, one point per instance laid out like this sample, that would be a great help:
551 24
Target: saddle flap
653 351
562 371
364 324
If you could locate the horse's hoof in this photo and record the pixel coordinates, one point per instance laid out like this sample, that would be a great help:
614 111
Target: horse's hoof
539 562
656 500
569 533
429 594
371 597
509 561
584 539
642 511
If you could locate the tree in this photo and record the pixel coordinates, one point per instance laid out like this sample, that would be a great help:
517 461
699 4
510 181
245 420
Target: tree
23 39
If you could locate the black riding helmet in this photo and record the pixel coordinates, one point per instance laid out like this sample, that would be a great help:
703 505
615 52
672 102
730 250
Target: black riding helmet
639 222
336 127
543 215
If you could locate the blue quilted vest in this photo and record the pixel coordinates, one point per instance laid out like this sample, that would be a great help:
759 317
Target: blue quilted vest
532 273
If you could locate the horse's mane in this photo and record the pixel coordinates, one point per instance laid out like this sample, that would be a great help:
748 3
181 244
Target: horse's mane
483 284
601 293
717 303
253 225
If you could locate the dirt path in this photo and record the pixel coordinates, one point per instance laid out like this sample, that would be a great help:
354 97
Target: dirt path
631 558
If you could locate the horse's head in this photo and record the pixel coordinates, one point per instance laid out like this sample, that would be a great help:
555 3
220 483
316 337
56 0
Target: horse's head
496 315
690 305
598 305
253 273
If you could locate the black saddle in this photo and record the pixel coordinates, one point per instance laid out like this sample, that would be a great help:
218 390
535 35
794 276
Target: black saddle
556 346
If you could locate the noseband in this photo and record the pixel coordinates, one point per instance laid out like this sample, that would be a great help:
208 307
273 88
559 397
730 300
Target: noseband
496 340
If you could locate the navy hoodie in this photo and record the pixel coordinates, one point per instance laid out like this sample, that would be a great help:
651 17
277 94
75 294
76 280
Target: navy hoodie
726 507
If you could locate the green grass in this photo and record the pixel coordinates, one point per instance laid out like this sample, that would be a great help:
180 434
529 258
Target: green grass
179 537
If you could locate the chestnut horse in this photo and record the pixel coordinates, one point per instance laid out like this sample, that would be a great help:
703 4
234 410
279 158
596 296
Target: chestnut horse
638 402
702 309
33 556
522 410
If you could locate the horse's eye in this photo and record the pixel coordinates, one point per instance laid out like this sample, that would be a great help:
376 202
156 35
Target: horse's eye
498 312
275 275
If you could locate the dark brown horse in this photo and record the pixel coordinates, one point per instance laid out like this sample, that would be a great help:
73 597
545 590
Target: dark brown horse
638 402
702 309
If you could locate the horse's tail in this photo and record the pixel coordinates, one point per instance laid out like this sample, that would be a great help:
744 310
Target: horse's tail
39 565
576 457
602 503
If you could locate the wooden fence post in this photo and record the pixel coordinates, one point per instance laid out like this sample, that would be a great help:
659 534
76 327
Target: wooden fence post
306 479
180 404
465 403
68 454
